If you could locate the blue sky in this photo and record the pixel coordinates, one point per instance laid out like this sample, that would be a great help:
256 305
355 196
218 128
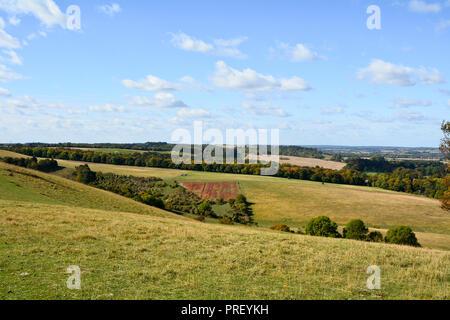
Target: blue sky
138 70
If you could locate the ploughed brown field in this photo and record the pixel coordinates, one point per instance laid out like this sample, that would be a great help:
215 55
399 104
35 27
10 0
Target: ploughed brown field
213 190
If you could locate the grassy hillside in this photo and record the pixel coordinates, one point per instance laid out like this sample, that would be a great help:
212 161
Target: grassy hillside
19 184
132 256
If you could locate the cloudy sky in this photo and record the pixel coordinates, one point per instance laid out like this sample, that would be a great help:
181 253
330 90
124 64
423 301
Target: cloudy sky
138 70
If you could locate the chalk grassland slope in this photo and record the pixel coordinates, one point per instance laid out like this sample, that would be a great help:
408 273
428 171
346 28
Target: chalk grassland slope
134 256
296 201
304 162
20 184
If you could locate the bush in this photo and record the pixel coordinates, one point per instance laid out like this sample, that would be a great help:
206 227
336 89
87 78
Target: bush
402 235
281 227
226 220
151 200
200 218
375 236
322 227
84 174
205 209
356 230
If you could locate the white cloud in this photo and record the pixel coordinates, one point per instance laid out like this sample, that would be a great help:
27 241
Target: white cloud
410 116
250 80
107 108
47 11
407 103
5 92
193 113
220 47
388 73
424 7
160 100
7 75
185 42
14 21
8 41
151 83
13 57
448 103
299 52
110 9
264 109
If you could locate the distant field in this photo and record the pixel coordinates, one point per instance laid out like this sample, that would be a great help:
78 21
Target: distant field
304 162
157 255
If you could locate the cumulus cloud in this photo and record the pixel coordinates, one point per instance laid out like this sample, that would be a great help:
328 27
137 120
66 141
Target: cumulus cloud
47 11
4 92
6 40
110 9
160 100
250 80
264 109
299 52
13 57
424 7
107 108
151 83
400 103
14 21
7 75
388 73
221 47
193 113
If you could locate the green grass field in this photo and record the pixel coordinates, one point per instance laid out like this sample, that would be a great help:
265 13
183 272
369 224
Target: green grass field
127 250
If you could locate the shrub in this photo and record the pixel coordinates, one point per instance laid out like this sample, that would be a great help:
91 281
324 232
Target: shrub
356 230
322 227
205 209
200 218
84 174
281 227
151 200
226 220
402 235
375 236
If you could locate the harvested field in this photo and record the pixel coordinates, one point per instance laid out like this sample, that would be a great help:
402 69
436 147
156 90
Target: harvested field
213 190
303 162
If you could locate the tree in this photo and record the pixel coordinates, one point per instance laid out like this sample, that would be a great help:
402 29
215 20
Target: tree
84 174
375 236
402 235
356 230
445 149
205 209
322 227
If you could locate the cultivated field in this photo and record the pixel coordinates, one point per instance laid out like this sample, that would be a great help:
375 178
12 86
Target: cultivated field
156 255
213 190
